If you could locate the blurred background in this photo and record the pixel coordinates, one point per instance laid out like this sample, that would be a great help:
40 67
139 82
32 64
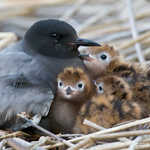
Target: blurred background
125 24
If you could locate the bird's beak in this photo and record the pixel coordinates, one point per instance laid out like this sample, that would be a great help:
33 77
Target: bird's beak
69 91
84 42
84 56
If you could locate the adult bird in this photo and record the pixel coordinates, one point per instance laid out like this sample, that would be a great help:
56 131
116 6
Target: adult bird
28 70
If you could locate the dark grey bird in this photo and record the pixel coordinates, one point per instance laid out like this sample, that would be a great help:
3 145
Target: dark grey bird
28 70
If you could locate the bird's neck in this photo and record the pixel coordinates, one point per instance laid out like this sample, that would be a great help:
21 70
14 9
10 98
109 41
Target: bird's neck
64 113
72 106
27 49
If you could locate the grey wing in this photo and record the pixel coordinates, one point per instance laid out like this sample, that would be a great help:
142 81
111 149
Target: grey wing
20 63
14 47
32 99
14 63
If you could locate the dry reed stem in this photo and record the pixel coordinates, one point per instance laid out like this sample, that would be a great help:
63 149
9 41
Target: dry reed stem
92 124
83 143
147 140
33 124
114 129
40 142
132 42
93 19
15 134
6 39
118 145
7 4
134 56
96 27
88 141
134 30
2 144
112 33
16 12
111 146
69 135
135 142
108 30
122 134
73 9
117 22
145 43
20 144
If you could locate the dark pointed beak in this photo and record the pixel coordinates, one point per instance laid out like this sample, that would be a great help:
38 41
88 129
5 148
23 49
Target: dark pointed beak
84 42
68 91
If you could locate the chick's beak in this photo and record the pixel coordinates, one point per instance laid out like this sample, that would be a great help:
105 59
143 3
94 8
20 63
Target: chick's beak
68 91
84 42
84 56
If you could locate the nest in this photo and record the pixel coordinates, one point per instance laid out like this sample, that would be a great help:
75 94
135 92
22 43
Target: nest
123 24
105 139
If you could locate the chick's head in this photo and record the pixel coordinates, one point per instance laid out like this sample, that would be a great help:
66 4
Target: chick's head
74 84
110 89
98 58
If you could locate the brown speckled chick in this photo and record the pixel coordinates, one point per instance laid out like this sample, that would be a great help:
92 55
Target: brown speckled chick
106 60
112 105
74 89
142 95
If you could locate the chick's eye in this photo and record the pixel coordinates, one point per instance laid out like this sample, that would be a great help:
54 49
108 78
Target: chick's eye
80 86
103 57
60 84
54 35
100 88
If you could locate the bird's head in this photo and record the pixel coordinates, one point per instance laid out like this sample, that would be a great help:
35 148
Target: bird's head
111 89
74 85
98 58
54 38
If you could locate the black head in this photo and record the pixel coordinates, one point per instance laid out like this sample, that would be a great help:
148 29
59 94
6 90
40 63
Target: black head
54 38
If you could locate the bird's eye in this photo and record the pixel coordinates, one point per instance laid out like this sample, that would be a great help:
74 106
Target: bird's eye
104 57
54 35
100 88
60 84
80 85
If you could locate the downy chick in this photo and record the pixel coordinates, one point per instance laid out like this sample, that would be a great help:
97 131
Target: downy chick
105 59
142 95
73 90
111 105
98 59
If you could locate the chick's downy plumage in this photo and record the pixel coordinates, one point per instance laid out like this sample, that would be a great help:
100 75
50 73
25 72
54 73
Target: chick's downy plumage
105 59
111 105
73 90
98 59
142 95
46 49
